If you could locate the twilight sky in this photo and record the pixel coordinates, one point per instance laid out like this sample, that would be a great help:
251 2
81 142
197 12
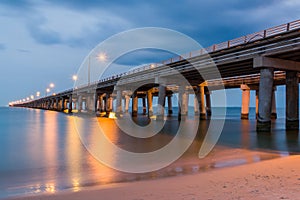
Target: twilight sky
44 41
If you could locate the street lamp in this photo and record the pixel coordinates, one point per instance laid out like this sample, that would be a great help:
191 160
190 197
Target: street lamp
51 85
74 77
47 91
38 94
101 57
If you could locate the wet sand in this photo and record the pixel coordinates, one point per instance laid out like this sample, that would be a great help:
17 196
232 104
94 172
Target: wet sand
272 179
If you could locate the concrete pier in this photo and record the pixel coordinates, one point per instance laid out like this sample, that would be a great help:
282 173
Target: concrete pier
245 101
292 100
126 99
208 103
149 102
70 108
119 102
202 104
170 107
144 106
182 101
265 100
196 103
256 103
161 101
274 112
134 104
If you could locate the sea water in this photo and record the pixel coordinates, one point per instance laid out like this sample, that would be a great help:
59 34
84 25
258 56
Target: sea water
41 151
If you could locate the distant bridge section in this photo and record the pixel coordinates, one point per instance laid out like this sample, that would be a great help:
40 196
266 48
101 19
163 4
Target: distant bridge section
259 61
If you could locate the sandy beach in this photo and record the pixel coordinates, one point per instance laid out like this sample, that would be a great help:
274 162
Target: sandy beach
271 179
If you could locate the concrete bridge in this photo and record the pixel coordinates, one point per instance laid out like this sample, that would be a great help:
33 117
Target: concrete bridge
258 61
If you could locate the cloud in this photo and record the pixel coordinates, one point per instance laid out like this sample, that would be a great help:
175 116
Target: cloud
23 50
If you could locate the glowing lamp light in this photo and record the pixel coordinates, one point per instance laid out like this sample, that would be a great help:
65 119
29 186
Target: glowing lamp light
74 77
51 85
112 115
102 56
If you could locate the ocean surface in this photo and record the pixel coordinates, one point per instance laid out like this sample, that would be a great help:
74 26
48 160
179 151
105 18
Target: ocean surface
45 152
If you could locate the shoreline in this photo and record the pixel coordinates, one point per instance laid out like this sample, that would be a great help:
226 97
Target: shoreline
271 179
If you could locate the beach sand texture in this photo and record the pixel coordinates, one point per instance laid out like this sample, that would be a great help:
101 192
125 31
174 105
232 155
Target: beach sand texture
271 179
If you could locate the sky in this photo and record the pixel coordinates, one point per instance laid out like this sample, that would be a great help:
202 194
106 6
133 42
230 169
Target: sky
45 41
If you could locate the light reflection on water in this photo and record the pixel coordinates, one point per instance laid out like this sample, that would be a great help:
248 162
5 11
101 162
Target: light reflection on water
42 153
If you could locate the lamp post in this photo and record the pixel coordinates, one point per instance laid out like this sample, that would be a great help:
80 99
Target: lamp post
47 91
74 77
101 57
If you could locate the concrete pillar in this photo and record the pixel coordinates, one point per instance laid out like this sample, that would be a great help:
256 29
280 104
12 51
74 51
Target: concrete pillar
134 104
111 100
149 102
57 104
100 104
274 112
70 104
245 101
161 101
196 103
256 103
63 104
265 100
292 100
96 100
208 103
182 101
119 102
170 108
144 106
79 103
109 105
127 99
202 104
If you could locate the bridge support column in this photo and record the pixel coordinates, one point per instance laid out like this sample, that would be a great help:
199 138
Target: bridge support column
273 113
265 100
109 106
57 104
79 103
202 104
70 104
161 101
127 99
208 103
196 103
182 101
100 103
245 101
134 104
144 106
149 102
292 100
63 104
119 102
170 107
256 103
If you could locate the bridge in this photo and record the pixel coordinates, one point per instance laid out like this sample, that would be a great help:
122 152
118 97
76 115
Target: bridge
259 61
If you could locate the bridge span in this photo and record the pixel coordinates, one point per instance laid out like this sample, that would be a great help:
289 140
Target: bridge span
258 61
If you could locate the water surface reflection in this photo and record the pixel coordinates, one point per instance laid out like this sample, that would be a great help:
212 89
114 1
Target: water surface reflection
42 152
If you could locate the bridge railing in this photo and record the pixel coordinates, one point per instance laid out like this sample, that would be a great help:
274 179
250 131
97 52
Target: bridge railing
221 46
